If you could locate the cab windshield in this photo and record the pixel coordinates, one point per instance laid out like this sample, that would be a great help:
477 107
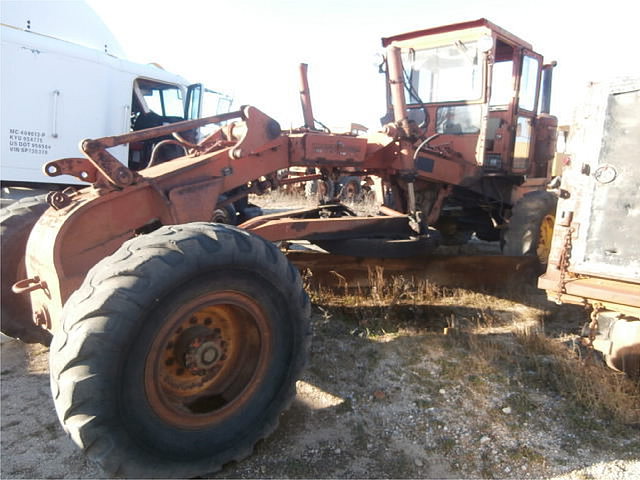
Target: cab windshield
165 100
448 73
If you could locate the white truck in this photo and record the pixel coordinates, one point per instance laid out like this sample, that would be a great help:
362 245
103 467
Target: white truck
62 80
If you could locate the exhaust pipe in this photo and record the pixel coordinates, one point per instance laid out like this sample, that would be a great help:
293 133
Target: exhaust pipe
305 98
396 83
547 78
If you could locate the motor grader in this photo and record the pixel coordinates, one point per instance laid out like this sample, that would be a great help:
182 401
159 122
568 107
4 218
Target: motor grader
177 341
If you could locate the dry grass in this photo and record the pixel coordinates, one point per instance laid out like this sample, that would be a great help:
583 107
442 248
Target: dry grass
500 337
282 198
577 374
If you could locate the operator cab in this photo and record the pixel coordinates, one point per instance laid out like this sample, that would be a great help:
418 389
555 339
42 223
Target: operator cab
477 87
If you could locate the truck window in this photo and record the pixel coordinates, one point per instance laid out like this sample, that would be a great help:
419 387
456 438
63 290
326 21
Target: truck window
224 104
213 103
529 83
458 120
444 74
522 144
165 101
501 85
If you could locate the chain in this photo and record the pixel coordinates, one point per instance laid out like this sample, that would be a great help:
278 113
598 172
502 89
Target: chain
593 324
565 260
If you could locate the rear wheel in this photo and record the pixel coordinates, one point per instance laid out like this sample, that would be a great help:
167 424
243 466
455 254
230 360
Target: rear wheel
350 189
180 351
530 228
16 222
324 191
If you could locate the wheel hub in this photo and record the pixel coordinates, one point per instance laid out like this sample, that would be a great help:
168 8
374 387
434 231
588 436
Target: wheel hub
203 353
194 356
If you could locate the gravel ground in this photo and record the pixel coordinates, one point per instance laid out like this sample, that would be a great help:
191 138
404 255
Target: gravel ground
388 405
411 403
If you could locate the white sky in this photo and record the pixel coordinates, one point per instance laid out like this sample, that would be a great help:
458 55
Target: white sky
251 48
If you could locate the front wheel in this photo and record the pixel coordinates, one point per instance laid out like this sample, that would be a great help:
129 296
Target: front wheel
180 351
530 229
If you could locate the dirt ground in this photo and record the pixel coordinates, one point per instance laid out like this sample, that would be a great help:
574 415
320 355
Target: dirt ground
396 399
385 405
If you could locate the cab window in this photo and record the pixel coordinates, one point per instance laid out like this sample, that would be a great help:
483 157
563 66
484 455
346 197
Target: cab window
529 83
166 101
459 120
444 74
501 85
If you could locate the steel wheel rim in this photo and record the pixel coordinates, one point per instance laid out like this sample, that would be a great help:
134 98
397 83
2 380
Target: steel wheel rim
207 359
543 249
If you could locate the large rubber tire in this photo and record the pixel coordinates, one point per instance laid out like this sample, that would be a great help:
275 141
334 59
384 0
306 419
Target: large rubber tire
16 222
179 351
349 189
530 227
323 191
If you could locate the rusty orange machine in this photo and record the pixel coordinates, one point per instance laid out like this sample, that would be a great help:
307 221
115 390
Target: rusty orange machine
177 341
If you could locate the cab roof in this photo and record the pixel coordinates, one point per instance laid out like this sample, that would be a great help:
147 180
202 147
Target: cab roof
482 22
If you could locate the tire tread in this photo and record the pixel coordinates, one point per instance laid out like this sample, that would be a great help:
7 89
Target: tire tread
144 258
525 222
16 221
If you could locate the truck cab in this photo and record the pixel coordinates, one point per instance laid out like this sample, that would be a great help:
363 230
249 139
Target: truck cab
58 88
155 103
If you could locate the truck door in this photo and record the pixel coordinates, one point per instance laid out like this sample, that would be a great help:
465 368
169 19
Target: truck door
527 106
193 105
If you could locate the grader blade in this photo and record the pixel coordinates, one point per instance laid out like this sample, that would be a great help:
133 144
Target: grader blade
491 272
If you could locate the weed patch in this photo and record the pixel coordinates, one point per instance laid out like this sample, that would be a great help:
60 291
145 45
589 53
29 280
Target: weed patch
497 340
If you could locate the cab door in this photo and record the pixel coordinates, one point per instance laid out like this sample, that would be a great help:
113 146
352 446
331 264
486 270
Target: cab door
193 105
527 105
